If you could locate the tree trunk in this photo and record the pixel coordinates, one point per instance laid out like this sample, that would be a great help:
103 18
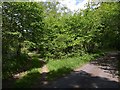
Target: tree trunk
19 50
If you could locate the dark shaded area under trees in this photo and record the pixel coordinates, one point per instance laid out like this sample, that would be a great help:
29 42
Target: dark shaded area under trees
38 27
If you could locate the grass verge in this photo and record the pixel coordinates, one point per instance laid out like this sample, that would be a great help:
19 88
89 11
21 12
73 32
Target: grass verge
57 68
27 80
61 67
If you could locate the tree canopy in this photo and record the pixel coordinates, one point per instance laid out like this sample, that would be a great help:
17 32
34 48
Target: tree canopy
52 32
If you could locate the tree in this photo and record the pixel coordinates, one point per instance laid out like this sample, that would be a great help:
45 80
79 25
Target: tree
22 21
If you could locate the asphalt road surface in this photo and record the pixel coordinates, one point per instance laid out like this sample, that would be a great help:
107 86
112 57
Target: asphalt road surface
100 73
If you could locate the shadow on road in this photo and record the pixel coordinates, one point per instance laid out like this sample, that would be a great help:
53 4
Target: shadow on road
78 79
82 79
109 63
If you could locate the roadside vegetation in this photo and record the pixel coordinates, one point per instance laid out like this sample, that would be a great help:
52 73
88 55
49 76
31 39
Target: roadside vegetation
45 33
65 66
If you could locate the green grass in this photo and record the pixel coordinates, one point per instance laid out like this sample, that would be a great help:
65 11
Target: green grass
29 69
60 67
20 64
57 68
27 80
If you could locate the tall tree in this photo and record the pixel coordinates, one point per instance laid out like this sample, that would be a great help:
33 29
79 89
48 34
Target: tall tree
22 21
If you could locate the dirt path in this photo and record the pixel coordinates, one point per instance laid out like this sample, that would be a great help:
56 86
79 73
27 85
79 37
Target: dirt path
101 73
43 78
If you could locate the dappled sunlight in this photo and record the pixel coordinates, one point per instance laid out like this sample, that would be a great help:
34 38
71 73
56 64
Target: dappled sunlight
22 74
30 65
109 63
44 42
83 80
58 73
45 82
76 86
22 64
27 79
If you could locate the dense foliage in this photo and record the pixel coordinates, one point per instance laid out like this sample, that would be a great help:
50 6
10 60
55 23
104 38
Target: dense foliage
42 28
